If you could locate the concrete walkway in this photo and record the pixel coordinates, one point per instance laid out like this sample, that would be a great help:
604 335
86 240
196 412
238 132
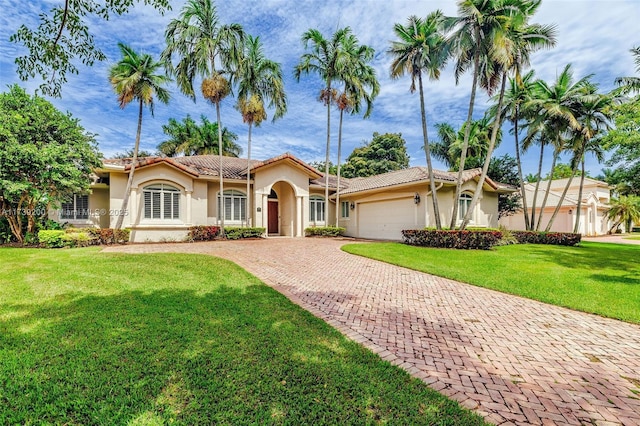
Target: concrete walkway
615 238
513 360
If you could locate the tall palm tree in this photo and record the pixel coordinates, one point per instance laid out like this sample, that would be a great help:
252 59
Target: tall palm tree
206 48
557 109
593 146
625 209
259 80
448 148
594 117
360 87
325 58
512 42
421 47
135 77
631 84
189 138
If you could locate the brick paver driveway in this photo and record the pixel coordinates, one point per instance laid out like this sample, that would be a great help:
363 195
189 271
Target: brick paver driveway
511 359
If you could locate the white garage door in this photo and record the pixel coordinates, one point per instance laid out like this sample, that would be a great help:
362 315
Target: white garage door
384 220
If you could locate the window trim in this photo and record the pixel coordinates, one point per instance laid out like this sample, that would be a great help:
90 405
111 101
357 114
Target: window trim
74 216
233 194
465 197
163 190
314 200
345 207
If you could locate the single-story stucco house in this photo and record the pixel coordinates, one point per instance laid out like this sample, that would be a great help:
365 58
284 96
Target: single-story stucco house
593 208
286 196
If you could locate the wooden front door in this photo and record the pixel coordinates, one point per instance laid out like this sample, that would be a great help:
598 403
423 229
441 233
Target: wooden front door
272 219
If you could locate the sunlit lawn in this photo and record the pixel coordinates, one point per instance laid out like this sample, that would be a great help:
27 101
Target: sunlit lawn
94 338
599 278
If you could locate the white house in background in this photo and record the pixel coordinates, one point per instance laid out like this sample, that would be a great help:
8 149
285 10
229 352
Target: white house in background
593 208
286 195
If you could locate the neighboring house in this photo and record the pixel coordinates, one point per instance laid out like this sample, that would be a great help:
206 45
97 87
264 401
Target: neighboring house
287 195
593 209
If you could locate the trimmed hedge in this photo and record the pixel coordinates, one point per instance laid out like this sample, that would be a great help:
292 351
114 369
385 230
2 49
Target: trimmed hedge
324 231
108 236
82 237
203 233
52 238
476 239
239 233
555 238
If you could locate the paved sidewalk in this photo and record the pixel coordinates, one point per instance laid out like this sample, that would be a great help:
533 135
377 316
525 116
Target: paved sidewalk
513 360
615 238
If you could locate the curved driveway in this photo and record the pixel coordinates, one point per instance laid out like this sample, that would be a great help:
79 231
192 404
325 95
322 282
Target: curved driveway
513 360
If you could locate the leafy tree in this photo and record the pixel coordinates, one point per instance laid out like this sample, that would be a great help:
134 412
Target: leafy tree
631 84
385 153
625 209
324 59
134 78
505 170
189 138
624 141
259 80
63 37
448 148
129 154
206 48
421 47
45 157
319 165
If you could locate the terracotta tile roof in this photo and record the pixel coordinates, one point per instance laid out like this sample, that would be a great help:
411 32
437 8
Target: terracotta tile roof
398 177
289 157
333 182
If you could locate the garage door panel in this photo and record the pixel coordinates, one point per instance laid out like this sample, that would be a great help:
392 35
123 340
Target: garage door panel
385 220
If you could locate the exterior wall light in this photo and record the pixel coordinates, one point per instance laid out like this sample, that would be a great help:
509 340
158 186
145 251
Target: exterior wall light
352 206
416 198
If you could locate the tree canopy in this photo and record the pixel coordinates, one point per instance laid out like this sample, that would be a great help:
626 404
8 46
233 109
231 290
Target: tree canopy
189 138
624 141
45 157
385 153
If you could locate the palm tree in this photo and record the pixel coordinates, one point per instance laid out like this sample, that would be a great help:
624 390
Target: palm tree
517 93
360 86
557 108
625 209
594 117
259 80
421 48
189 138
134 78
204 47
448 148
325 59
631 84
513 40
593 146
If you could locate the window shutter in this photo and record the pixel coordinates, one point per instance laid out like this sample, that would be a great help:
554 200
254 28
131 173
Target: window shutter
82 207
147 205
155 205
176 205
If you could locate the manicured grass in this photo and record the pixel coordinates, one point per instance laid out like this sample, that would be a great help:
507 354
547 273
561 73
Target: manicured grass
94 338
632 237
600 278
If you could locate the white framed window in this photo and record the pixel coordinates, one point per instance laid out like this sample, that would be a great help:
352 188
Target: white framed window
235 204
344 208
316 208
161 201
76 208
464 203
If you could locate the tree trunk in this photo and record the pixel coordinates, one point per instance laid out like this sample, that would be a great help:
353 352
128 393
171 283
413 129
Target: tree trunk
556 153
248 211
427 151
576 227
535 192
562 197
134 160
338 208
327 155
485 168
220 171
520 176
465 142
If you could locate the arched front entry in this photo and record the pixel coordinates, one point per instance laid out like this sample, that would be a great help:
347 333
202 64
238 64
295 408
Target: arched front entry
283 211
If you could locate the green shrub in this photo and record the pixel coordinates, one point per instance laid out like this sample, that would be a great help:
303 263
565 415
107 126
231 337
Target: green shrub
53 238
203 233
78 239
554 238
233 233
466 239
324 231
107 236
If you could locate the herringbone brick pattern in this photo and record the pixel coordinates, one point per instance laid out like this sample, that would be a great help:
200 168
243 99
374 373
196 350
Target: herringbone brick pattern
513 360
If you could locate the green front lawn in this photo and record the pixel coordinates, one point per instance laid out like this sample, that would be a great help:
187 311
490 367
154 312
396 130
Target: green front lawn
94 338
600 278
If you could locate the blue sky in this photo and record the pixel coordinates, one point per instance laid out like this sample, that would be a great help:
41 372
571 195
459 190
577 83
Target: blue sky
595 36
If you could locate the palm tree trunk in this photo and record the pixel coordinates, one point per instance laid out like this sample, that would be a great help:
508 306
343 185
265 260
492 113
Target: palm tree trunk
562 197
576 226
556 153
327 154
134 160
338 180
485 168
427 151
520 176
465 142
535 192
221 212
248 210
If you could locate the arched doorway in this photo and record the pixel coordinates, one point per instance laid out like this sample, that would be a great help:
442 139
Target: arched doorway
283 208
273 222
